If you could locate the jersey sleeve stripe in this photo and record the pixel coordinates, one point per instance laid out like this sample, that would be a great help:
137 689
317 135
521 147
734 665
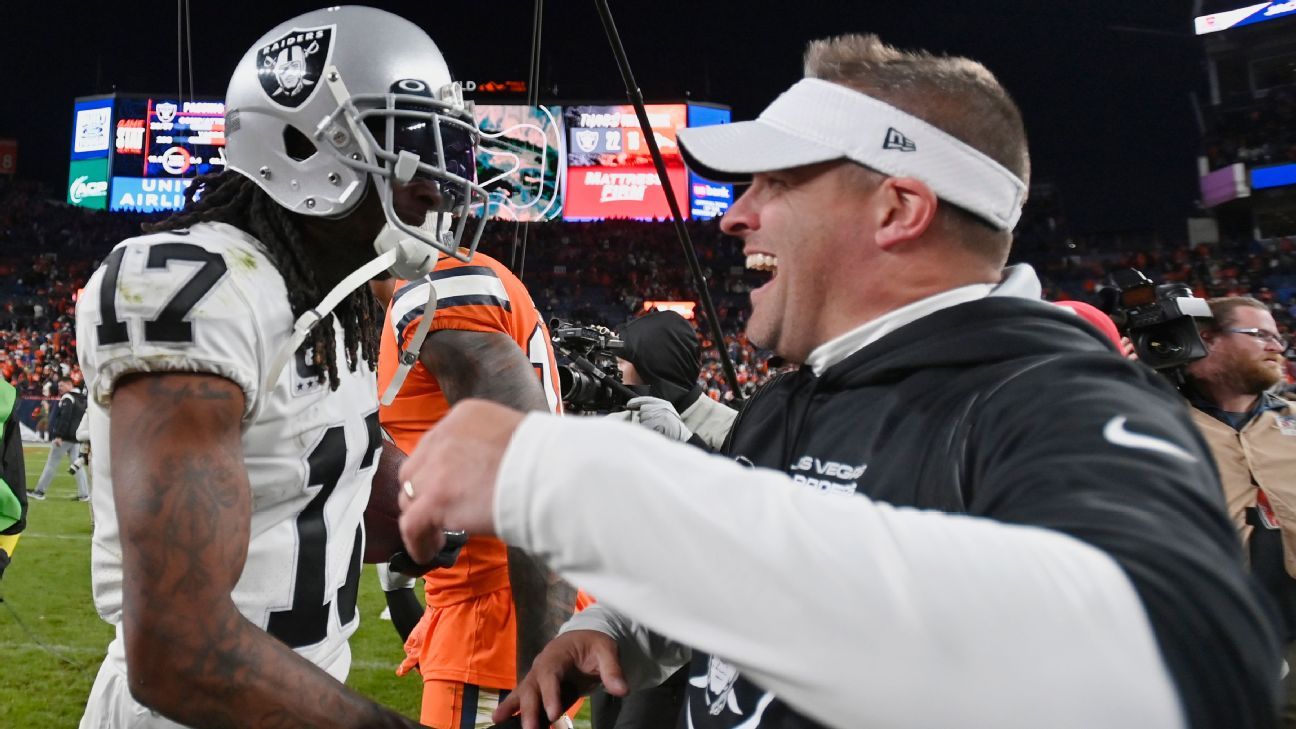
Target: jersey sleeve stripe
468 300
449 273
439 275
408 287
470 285
462 271
409 302
475 300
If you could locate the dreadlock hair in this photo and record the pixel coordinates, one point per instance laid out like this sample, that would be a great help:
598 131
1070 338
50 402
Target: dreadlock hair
230 197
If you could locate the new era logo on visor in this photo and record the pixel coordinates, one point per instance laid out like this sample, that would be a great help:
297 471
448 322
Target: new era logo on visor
897 141
289 67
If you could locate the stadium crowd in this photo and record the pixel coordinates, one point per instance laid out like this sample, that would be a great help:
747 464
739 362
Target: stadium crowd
596 273
1262 131
47 251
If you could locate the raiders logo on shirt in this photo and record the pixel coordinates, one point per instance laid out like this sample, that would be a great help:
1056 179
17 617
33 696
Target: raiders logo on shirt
289 68
719 699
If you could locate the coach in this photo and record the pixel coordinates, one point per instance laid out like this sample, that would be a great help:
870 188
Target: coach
967 510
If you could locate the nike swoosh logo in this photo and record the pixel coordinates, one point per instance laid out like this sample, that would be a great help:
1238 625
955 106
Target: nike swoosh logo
1116 434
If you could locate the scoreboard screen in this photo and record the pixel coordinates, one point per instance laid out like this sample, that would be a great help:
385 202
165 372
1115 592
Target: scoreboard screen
139 153
134 152
610 172
1248 15
155 137
520 160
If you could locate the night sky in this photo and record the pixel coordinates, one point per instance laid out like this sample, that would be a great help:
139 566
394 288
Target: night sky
1108 111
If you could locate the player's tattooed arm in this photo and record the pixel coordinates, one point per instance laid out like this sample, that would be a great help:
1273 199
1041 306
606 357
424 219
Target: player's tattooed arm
542 601
487 365
491 365
184 511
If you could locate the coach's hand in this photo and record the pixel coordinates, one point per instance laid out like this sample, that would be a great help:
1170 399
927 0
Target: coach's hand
571 665
448 482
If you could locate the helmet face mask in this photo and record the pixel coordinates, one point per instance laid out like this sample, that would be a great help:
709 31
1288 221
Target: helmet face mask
373 95
410 136
445 149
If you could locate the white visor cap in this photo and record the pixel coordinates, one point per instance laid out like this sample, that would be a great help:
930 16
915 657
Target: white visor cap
819 121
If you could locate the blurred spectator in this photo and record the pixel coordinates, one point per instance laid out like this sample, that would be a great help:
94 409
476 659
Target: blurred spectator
67 420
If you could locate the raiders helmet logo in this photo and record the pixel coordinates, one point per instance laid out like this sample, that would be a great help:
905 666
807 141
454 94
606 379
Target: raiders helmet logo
166 111
289 68
587 139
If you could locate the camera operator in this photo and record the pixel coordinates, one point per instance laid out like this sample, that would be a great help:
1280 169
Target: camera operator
660 350
1252 435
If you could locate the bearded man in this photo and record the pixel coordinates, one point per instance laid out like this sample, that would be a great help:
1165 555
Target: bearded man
1252 435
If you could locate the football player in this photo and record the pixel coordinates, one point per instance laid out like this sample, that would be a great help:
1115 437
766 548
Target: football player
495 609
228 542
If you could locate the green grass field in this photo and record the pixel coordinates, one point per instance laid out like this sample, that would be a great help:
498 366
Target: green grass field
52 641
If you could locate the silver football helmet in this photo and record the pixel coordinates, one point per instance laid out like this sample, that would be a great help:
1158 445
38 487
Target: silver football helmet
335 98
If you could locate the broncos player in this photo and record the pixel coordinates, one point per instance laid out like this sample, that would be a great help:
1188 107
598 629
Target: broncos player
496 608
228 541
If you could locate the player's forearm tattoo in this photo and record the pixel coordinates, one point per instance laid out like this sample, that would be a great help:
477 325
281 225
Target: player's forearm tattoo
484 365
184 514
166 391
492 366
543 602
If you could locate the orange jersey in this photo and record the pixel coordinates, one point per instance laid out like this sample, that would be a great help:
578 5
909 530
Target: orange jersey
481 296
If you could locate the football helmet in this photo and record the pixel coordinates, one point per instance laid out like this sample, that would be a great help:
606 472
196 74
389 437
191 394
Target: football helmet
334 99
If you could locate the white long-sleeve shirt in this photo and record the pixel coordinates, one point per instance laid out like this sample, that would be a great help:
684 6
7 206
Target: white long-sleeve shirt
856 613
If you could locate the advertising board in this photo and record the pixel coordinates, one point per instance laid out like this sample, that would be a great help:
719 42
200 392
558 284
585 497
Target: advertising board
1244 16
148 194
91 128
610 172
88 183
708 199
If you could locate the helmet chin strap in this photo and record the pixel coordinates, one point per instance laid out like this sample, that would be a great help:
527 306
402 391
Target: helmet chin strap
406 258
415 260
410 352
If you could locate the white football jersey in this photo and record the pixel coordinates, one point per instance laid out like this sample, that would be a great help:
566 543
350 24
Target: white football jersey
207 299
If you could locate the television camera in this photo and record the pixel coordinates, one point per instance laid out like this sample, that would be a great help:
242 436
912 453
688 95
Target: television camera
1159 320
590 381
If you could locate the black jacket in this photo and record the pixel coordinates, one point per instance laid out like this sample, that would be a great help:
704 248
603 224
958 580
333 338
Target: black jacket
999 408
664 349
71 408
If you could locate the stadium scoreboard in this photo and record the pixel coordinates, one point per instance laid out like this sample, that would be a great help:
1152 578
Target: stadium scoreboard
139 153
610 171
1244 16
